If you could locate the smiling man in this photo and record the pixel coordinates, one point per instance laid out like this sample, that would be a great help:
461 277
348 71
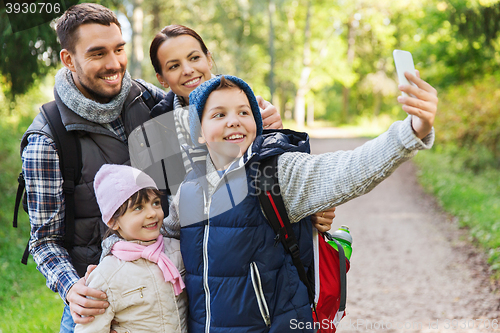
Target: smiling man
97 61
97 99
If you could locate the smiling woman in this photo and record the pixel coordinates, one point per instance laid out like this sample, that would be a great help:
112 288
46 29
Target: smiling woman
181 60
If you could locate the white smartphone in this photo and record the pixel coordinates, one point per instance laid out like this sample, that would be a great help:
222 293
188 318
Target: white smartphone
404 63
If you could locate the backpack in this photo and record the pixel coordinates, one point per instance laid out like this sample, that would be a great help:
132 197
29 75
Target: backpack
326 282
70 162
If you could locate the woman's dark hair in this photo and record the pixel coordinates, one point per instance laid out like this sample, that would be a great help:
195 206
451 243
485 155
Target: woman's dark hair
78 15
139 197
171 31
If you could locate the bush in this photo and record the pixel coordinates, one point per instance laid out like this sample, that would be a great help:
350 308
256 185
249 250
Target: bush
469 117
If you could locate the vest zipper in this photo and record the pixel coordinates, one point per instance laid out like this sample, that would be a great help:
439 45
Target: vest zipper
259 294
205 269
205 255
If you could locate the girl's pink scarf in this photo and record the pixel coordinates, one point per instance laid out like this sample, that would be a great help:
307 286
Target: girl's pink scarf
130 251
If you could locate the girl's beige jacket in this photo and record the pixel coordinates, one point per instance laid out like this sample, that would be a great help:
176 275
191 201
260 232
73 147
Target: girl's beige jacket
140 299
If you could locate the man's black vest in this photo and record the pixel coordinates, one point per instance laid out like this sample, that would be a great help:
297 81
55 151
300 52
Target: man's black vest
98 146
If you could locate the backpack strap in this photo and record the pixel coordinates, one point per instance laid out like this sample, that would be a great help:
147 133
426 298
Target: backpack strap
19 197
146 95
274 208
270 198
70 163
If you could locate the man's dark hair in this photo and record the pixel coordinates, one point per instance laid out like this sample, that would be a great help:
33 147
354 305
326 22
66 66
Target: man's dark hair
75 16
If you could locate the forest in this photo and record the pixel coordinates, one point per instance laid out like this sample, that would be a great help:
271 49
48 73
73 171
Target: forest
320 62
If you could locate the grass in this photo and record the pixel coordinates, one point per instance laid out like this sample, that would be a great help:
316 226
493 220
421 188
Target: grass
26 304
472 196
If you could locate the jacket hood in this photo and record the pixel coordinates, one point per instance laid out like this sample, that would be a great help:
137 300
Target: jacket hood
277 142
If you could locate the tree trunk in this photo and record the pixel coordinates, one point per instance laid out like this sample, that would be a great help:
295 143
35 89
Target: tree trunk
271 48
137 51
377 103
155 11
351 40
300 102
310 112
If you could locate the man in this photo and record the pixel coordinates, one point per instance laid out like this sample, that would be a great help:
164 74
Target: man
95 96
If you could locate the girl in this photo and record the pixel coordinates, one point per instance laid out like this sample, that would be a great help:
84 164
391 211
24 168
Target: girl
141 276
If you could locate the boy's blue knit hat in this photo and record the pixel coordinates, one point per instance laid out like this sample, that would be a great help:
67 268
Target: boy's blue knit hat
198 99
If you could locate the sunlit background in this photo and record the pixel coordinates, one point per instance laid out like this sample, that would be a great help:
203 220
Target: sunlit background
322 63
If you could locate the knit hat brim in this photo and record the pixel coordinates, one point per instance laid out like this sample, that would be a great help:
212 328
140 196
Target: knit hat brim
114 184
198 99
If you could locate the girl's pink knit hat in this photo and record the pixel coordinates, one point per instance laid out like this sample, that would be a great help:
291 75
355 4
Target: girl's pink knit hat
114 184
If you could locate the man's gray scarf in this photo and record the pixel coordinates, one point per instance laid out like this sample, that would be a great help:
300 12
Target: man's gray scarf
87 108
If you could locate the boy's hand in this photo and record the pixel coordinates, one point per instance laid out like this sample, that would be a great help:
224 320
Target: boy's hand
271 118
422 107
323 220
84 309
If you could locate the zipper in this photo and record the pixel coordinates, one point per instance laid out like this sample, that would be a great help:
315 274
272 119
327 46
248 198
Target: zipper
133 291
259 293
205 256
205 269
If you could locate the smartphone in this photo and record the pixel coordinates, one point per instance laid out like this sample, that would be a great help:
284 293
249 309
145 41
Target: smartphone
404 63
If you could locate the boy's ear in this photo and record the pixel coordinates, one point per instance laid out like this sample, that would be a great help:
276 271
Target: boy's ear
162 81
201 138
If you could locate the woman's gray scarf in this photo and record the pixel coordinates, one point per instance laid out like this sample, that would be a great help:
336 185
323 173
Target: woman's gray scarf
87 108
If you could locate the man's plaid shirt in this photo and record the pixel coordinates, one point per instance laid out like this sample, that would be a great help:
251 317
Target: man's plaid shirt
40 164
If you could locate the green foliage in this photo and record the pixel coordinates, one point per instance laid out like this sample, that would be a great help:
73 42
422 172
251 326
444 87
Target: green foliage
27 304
454 41
26 55
473 197
469 117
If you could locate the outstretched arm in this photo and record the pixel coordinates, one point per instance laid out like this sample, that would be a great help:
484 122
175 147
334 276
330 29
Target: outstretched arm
314 183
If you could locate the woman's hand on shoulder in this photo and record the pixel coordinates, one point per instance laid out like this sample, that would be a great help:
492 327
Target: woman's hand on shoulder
271 118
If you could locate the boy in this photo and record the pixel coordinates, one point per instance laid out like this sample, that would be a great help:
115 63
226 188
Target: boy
237 279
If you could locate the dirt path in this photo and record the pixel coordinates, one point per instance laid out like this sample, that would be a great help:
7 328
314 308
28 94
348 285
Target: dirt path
411 269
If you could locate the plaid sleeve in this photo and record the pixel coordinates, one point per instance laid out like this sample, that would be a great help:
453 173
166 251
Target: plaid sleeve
46 210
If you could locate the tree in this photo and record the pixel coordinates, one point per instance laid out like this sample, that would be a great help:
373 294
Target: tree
26 55
300 97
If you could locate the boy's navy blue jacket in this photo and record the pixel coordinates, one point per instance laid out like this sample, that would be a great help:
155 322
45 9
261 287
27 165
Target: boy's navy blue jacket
239 278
